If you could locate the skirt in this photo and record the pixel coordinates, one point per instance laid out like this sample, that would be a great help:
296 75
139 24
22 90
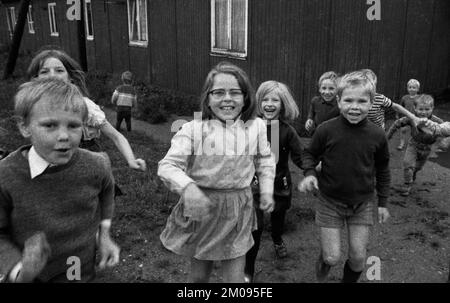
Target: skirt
226 234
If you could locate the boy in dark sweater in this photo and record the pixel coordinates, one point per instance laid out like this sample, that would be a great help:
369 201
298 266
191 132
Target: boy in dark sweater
354 153
55 199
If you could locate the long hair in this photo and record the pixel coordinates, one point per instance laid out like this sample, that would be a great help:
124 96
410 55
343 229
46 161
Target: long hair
74 70
289 109
248 110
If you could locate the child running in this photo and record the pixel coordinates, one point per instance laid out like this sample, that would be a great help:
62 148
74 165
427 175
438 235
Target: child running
277 106
381 104
210 164
354 153
54 197
407 102
56 63
419 145
323 107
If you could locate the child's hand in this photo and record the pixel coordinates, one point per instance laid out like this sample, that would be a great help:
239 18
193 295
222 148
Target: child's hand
109 251
266 203
308 184
383 214
138 164
309 124
197 205
420 122
34 257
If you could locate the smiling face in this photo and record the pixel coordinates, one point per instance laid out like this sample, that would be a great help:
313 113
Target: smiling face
226 99
327 89
413 89
53 67
354 104
271 106
54 132
424 110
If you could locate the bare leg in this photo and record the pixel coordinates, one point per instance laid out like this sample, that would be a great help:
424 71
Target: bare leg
233 270
330 240
200 271
358 239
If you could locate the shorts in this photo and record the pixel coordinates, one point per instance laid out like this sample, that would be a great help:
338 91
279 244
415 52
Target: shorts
334 215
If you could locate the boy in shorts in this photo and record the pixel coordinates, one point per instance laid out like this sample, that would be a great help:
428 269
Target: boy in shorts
354 153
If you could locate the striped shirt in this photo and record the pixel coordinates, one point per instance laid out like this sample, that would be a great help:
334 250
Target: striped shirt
376 113
124 95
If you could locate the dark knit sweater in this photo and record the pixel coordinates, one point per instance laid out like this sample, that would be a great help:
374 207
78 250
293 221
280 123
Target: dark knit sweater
288 144
321 110
353 157
66 202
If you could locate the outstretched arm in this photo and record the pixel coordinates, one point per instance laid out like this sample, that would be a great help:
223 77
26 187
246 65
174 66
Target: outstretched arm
123 146
401 110
397 124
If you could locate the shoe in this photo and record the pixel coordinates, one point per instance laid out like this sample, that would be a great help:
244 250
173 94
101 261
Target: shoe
280 250
322 270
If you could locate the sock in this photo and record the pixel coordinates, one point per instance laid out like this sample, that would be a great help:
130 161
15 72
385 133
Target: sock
350 276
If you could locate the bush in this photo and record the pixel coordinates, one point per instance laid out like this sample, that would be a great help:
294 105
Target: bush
100 86
156 104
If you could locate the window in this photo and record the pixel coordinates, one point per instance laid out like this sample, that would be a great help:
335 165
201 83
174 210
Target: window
137 22
88 19
30 20
52 19
229 27
11 19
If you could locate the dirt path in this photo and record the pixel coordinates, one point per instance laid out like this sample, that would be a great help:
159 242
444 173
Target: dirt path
413 247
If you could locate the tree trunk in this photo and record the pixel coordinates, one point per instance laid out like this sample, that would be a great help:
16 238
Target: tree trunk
17 37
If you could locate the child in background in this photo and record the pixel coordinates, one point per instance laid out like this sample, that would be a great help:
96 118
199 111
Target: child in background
54 197
124 98
381 103
323 107
214 218
354 153
276 105
407 102
56 63
419 145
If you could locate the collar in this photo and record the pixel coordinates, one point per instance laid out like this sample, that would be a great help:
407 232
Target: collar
37 164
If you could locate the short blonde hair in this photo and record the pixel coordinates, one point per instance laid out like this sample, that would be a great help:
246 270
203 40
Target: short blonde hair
371 75
59 93
424 99
356 78
413 82
289 109
328 75
127 77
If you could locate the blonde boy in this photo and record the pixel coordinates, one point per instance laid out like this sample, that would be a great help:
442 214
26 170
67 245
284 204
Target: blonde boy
354 152
407 101
419 145
54 197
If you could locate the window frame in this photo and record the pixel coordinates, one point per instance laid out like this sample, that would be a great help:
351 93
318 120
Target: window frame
30 20
11 19
89 35
52 19
140 43
215 51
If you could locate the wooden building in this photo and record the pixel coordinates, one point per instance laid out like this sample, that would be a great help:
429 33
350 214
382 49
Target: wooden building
174 43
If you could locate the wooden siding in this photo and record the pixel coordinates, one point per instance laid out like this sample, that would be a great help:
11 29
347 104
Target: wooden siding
293 41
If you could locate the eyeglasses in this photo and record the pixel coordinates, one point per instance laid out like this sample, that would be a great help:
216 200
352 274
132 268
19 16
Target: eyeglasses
221 93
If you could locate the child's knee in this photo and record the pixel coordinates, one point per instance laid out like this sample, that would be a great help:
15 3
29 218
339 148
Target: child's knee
331 259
